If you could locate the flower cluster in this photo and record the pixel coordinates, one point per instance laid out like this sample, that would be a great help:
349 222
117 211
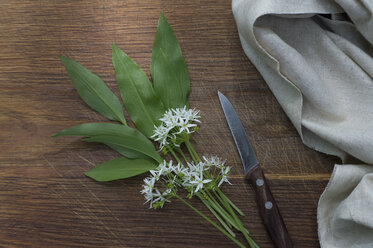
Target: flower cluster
195 178
176 126
218 163
151 192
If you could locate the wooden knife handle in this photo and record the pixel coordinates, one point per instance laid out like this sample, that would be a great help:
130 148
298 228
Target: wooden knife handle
268 209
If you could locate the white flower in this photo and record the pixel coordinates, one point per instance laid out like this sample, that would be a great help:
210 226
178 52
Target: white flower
224 175
165 168
167 192
193 178
148 184
201 167
190 114
148 188
169 119
193 115
157 196
175 122
214 161
199 182
186 175
156 174
152 194
185 125
160 135
174 182
178 168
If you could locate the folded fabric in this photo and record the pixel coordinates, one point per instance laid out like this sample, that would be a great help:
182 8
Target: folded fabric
316 57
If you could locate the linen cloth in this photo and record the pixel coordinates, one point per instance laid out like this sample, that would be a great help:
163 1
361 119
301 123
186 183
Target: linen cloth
316 57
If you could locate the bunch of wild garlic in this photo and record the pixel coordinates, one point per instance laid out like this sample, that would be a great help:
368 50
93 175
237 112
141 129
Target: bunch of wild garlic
160 111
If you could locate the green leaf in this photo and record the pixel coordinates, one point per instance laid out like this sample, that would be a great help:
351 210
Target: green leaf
120 168
142 104
126 152
128 142
94 91
168 67
125 140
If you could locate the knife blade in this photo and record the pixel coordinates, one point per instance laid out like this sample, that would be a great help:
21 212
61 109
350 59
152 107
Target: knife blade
253 173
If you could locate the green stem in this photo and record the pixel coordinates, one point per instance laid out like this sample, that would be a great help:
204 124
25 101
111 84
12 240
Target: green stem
188 144
174 154
225 225
222 212
211 222
230 202
221 200
240 225
182 154
226 205
190 150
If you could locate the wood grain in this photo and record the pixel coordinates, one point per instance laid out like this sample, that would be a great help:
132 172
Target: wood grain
46 201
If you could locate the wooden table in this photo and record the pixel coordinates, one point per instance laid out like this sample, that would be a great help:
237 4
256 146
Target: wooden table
46 201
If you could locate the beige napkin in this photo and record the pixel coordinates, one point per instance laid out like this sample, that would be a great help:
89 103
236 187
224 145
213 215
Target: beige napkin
316 57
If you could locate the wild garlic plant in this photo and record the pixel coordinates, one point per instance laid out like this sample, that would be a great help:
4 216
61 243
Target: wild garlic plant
145 103
198 177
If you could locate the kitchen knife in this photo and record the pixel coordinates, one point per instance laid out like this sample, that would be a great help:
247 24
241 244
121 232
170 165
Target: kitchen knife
253 173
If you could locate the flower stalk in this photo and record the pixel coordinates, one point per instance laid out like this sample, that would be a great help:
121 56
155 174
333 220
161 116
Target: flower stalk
211 222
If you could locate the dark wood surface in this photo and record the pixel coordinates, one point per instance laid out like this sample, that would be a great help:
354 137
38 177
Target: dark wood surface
46 201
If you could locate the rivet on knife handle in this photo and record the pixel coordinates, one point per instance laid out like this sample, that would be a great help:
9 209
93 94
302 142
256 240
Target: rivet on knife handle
268 209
